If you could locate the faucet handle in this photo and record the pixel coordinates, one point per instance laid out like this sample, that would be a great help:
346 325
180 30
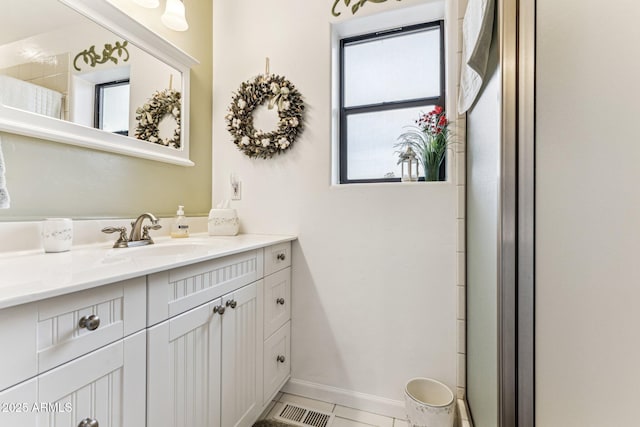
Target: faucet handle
122 240
146 228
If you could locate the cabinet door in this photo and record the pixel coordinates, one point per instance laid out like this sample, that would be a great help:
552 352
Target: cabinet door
241 333
17 405
183 368
107 385
19 338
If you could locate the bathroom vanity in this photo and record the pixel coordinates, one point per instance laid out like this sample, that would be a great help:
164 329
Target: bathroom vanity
175 334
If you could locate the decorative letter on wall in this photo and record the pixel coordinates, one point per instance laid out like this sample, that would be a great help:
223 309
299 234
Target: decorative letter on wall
356 5
91 58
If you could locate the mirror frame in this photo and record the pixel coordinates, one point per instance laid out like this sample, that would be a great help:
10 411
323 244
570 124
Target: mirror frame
103 13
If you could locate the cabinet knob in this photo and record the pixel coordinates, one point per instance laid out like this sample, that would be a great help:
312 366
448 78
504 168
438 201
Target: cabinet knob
280 301
281 256
91 323
89 422
232 303
281 358
218 309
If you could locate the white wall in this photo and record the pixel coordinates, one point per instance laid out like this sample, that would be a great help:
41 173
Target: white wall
374 295
588 214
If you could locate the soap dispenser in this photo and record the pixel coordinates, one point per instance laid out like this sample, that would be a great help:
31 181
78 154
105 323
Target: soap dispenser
180 228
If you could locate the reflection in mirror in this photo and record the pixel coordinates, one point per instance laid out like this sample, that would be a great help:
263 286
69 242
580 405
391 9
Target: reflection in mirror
59 64
57 67
112 107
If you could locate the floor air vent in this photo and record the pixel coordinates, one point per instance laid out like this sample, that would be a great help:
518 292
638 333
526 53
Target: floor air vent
300 416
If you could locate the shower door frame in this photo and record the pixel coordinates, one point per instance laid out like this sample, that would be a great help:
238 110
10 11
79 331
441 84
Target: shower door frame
516 270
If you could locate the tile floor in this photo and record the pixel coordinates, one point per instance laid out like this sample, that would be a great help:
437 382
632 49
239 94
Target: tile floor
344 417
349 417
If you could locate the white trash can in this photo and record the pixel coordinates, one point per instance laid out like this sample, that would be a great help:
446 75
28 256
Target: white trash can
429 403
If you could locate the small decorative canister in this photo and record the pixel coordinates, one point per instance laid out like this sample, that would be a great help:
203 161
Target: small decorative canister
429 403
223 222
57 234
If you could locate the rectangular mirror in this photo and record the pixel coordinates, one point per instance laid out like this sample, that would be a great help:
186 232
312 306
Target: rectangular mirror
83 72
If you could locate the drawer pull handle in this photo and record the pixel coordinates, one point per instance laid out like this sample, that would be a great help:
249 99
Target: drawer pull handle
218 309
91 323
280 301
281 256
89 422
281 358
232 303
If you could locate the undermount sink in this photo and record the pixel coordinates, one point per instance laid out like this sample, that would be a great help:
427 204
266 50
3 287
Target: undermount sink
168 249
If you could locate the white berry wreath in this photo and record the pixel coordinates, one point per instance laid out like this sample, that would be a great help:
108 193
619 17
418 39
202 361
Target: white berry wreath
162 103
279 92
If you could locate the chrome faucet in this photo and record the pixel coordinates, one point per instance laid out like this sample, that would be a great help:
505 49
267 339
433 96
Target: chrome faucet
139 235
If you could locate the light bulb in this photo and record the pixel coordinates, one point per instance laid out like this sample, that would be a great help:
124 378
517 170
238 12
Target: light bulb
150 4
173 16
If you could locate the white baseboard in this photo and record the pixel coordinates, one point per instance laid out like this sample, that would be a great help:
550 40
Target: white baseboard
352 399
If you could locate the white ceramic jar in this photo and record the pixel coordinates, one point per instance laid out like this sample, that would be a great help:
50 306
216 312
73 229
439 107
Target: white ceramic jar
57 234
429 403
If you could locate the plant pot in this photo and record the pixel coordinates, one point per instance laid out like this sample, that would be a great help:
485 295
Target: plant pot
432 170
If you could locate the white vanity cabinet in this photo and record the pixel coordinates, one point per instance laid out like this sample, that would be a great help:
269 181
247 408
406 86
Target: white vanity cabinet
277 316
202 344
86 352
202 365
208 362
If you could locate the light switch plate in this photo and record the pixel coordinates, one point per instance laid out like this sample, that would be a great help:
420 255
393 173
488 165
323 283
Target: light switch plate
236 190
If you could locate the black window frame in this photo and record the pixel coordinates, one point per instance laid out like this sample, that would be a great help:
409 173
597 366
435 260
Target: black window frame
385 106
98 103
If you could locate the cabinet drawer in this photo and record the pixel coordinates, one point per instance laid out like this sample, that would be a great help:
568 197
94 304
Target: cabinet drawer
277 361
176 291
18 358
277 257
118 310
277 301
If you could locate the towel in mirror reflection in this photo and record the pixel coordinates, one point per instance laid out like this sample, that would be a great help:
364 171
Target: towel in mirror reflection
5 201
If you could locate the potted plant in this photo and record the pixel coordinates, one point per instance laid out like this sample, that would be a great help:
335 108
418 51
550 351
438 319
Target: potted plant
429 139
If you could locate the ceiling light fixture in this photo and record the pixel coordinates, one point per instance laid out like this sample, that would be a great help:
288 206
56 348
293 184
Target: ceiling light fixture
173 16
150 4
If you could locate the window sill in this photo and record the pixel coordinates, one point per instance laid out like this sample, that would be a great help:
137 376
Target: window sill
389 184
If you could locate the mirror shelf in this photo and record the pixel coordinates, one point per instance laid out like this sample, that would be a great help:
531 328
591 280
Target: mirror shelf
14 120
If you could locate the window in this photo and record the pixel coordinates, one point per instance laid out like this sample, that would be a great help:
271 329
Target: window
111 111
387 79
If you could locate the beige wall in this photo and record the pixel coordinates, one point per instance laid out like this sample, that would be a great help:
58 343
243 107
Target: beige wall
587 214
50 179
374 295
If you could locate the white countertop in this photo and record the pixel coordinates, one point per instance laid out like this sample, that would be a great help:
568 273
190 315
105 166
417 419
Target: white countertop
32 276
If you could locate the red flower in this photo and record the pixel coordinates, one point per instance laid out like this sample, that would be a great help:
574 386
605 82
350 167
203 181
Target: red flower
437 110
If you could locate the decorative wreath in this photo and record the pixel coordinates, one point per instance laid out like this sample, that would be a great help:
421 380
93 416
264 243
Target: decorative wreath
279 92
161 104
